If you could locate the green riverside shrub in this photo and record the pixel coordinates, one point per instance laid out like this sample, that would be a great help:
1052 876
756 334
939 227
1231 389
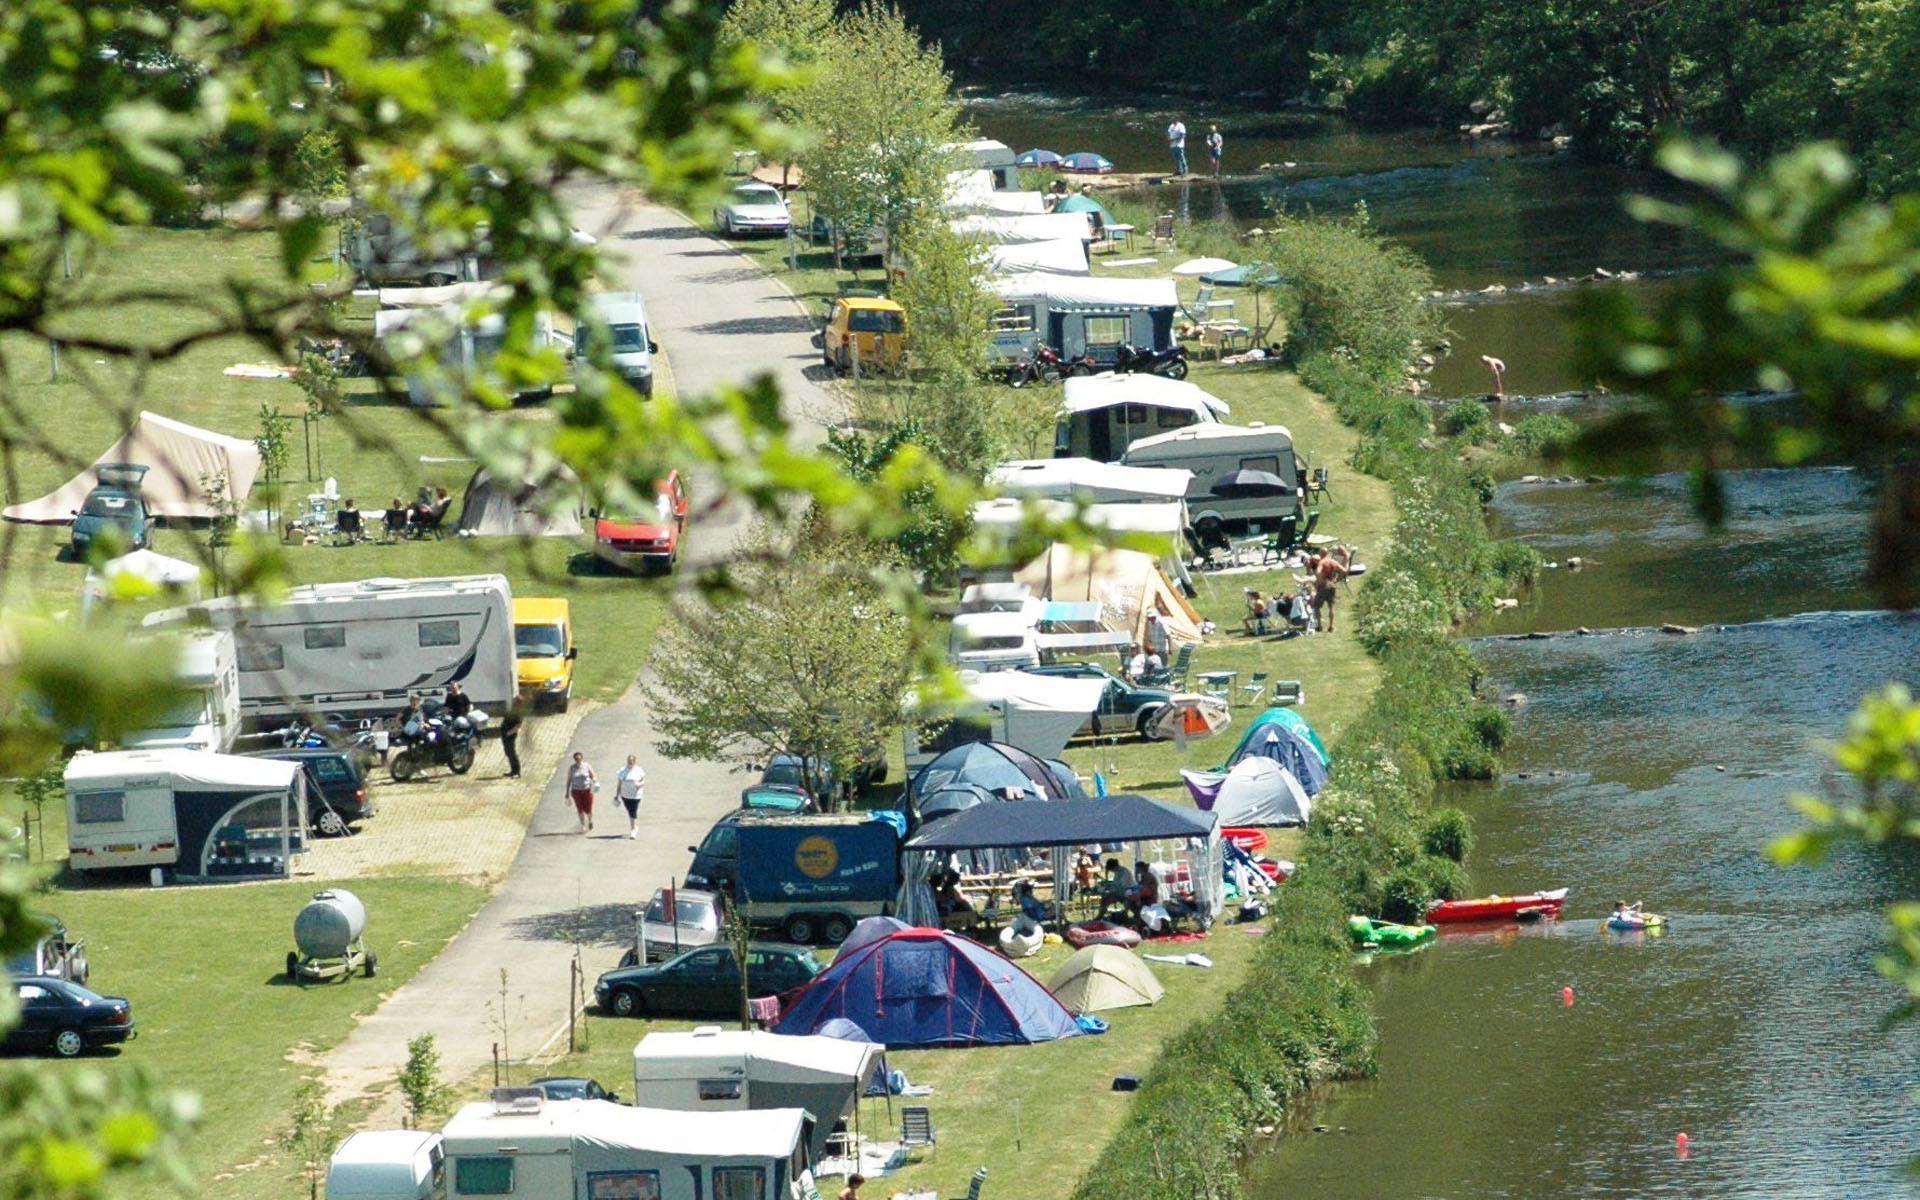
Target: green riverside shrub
1542 435
1448 834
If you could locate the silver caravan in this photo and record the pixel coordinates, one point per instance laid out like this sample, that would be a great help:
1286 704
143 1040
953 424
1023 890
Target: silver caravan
358 649
1076 315
381 252
1211 450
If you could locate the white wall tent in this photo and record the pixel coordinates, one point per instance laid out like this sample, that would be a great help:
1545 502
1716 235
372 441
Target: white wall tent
1088 481
181 461
714 1070
1063 256
1125 583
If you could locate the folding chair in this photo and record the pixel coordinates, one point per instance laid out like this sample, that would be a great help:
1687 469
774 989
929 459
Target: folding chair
1288 691
1177 669
1317 486
1255 685
1162 230
916 1126
1280 541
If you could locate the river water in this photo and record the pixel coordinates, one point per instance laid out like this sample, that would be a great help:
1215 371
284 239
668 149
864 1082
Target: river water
1644 765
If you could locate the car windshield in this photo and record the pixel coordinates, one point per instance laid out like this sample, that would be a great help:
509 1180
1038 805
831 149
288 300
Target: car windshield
539 641
755 195
628 339
694 911
103 504
783 773
564 1089
874 320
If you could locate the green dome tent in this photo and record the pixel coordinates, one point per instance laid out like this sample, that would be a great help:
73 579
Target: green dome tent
1083 203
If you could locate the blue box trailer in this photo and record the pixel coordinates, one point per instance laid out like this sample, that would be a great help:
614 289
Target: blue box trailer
811 876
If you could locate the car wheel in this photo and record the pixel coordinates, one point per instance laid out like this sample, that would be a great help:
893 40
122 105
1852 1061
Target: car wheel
1148 716
627 1003
566 698
68 1043
836 928
726 226
437 279
402 767
460 759
332 824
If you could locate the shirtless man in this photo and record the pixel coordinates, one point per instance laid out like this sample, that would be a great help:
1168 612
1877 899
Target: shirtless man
1325 572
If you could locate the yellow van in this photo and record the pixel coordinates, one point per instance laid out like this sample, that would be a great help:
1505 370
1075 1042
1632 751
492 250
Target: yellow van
544 650
870 329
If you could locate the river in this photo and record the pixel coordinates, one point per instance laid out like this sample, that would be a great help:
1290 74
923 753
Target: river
1644 765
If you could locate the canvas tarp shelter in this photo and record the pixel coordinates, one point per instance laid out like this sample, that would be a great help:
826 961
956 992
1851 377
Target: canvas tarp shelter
1062 256
1042 711
1032 227
182 460
1100 977
1086 480
822 1075
1125 583
1257 792
546 509
1103 292
928 987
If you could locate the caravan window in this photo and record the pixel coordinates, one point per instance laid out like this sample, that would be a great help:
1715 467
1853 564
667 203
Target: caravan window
260 657
1174 418
483 1175
739 1183
719 1089
623 1185
99 808
1269 463
439 633
1107 331
326 637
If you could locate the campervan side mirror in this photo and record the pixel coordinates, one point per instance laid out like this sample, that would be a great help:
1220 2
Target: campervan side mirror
693 849
573 652
653 347
593 514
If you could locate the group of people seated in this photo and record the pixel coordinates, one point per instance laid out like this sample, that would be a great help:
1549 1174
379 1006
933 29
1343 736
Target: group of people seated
1135 896
1132 896
400 520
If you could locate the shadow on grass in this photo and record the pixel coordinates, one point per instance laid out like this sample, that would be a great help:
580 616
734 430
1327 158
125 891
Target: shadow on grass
666 233
596 925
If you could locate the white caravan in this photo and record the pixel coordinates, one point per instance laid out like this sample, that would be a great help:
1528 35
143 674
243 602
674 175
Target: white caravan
1101 415
1038 713
207 716
1076 315
520 1147
199 815
1211 450
993 641
388 1164
358 649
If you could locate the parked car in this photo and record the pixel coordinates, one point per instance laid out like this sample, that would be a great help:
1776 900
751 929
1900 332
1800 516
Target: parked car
752 208
573 1087
675 921
871 329
787 776
544 651
55 954
650 542
704 982
337 796
1123 705
114 511
66 1018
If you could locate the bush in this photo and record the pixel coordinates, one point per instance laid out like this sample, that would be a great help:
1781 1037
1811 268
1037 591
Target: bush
1445 878
1542 435
1448 834
1407 896
1467 420
1515 563
1351 292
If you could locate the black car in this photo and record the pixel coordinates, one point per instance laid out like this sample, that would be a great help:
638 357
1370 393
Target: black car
1122 706
336 784
704 982
573 1087
62 1016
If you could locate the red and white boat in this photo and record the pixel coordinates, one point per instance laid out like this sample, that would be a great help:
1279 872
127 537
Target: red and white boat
1497 908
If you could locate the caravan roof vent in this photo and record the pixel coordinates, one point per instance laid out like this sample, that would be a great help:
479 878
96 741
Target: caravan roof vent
507 1100
385 583
706 1031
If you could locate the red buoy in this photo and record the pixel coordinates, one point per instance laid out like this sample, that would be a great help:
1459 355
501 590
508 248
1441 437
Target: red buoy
1566 997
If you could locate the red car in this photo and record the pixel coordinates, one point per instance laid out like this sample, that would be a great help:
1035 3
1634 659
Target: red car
650 542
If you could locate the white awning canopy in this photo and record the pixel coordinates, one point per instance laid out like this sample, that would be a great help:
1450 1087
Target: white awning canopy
1007 512
1093 293
192 768
1087 480
1067 256
1034 227
1085 393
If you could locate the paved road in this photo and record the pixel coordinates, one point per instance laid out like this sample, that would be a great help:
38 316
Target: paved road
720 320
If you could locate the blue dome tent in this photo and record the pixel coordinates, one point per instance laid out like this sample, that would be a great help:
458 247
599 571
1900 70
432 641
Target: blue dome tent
927 987
995 768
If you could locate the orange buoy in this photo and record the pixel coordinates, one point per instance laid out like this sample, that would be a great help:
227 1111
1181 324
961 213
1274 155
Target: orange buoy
1566 997
1680 1144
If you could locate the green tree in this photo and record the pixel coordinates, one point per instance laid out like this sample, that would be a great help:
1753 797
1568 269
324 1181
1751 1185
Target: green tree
311 1126
1350 292
792 30
806 656
419 1081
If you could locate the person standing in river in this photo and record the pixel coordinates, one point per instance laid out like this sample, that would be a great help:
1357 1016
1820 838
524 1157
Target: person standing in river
1177 145
1215 146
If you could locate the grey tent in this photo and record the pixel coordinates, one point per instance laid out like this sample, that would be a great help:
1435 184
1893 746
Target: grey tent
548 508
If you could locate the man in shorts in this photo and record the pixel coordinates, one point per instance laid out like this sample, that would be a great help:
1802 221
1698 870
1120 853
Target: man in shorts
1326 571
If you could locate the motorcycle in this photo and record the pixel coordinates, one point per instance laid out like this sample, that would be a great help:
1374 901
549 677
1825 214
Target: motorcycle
1046 366
443 740
369 737
1171 362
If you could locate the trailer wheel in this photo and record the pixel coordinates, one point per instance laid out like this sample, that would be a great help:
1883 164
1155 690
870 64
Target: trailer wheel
293 967
799 930
372 961
80 969
836 928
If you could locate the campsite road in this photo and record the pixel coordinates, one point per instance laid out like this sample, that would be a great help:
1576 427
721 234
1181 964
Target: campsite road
720 320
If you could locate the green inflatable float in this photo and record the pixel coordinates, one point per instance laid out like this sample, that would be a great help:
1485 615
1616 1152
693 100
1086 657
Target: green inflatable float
1368 934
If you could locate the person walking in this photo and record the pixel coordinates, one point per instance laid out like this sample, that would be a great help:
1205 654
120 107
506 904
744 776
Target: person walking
510 739
1215 144
630 785
1177 144
582 783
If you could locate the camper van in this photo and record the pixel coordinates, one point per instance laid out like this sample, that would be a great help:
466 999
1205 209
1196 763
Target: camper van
1211 450
359 649
381 252
208 714
521 1147
388 1164
1076 315
632 346
194 814
993 641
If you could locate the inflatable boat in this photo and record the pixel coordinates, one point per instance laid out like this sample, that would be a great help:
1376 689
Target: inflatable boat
1369 934
1633 922
1538 905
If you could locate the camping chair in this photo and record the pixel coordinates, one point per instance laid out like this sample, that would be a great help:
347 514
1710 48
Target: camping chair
1256 684
979 1181
916 1126
1313 518
1317 486
433 524
1162 230
1177 670
1280 542
1288 691
348 527
1200 312
1211 341
394 525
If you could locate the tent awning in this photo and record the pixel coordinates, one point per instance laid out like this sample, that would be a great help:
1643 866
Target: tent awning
1093 293
1032 227
1123 818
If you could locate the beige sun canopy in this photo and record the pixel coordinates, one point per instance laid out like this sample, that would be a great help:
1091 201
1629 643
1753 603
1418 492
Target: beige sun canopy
185 469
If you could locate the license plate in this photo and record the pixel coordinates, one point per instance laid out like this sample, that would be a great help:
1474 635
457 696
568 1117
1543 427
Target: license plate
121 849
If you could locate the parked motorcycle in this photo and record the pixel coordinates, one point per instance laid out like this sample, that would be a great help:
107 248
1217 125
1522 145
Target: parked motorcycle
446 741
1046 366
1171 362
370 737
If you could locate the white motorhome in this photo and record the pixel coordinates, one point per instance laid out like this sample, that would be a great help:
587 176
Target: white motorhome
994 157
1101 415
711 1069
631 341
199 815
1038 713
440 322
993 641
1211 450
359 649
1076 315
208 714
518 1146
388 1164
